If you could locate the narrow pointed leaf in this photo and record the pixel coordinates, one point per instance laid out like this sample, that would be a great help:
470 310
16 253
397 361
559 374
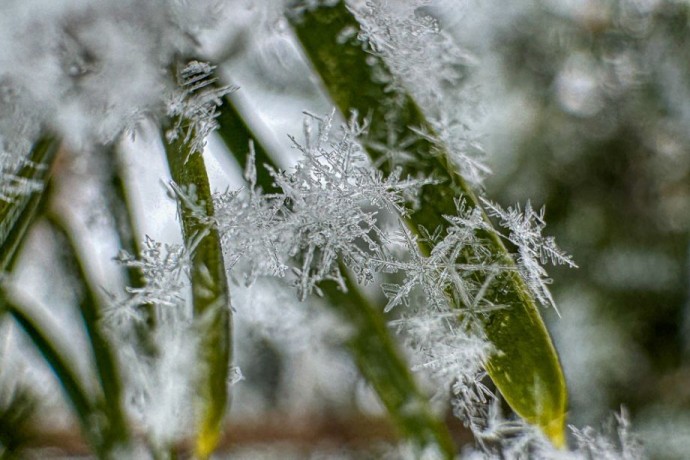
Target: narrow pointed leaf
18 212
379 362
104 353
84 406
371 345
236 135
526 368
210 294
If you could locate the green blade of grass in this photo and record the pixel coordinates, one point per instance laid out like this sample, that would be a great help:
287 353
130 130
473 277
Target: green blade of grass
236 135
18 410
19 211
526 368
120 209
380 363
122 213
209 291
371 345
84 406
104 354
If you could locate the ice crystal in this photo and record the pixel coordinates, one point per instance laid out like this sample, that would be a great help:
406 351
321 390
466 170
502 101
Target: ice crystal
165 271
326 212
92 69
615 442
160 388
159 364
194 107
12 184
425 62
534 249
518 440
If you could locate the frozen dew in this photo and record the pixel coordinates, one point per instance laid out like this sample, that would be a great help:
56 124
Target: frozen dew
194 107
534 249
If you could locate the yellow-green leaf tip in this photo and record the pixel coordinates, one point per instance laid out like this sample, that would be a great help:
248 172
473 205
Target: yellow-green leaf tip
206 441
555 431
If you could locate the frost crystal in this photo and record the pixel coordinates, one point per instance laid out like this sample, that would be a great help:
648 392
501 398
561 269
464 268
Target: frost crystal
164 269
159 364
425 62
327 211
517 440
194 106
534 249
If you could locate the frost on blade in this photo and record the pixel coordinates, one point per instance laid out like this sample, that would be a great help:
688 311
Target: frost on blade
516 440
534 249
426 63
327 210
11 183
160 391
165 270
194 107
160 362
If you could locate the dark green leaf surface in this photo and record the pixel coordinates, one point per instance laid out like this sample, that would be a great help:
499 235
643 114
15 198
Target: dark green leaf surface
104 353
236 135
526 368
210 295
17 213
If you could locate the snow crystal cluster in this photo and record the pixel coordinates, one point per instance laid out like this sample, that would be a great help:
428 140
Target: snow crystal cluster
90 69
194 108
426 62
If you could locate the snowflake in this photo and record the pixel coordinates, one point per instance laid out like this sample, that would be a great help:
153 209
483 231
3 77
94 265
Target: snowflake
534 249
194 106
165 272
326 212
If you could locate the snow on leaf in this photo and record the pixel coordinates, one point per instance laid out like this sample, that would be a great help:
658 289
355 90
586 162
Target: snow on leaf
429 64
165 270
327 210
194 106
534 249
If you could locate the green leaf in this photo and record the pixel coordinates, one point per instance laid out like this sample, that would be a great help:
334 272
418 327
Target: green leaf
378 360
17 213
209 291
18 409
83 404
105 356
236 135
371 345
526 368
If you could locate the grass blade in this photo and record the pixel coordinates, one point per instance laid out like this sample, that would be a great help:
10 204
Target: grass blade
210 293
526 369
105 356
236 135
18 410
83 404
18 212
371 346
378 360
